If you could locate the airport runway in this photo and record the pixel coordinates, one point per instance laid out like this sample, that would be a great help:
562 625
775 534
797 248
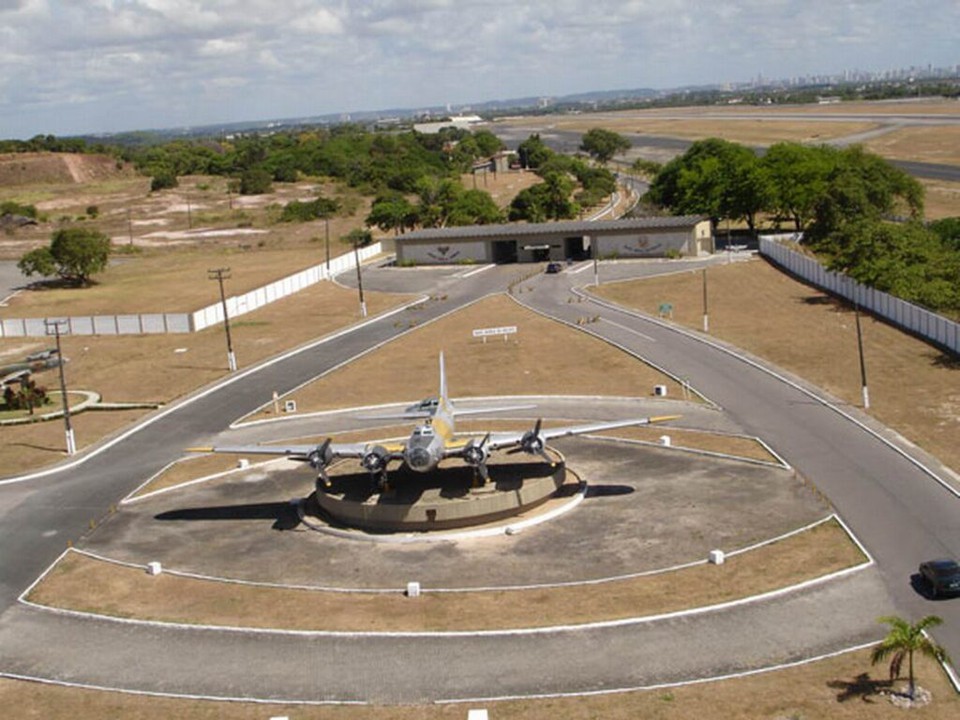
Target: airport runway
900 512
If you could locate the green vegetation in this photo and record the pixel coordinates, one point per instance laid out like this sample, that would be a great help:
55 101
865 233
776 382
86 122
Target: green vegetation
298 211
905 639
74 254
551 199
9 207
602 144
842 200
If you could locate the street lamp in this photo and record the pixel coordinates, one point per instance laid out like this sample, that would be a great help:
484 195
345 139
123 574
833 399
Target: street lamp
220 274
356 258
71 440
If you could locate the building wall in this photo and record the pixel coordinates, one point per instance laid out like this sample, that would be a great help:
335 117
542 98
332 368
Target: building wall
443 253
652 244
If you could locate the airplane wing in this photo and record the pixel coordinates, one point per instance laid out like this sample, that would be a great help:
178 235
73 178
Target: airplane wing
501 440
422 411
373 456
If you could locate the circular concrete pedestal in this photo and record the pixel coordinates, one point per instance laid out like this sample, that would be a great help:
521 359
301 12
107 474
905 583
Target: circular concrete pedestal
439 500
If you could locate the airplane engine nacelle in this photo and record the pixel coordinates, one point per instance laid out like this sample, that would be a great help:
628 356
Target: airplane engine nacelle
475 455
320 457
532 443
375 459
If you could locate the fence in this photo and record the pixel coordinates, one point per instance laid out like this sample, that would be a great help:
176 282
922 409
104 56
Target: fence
926 324
151 323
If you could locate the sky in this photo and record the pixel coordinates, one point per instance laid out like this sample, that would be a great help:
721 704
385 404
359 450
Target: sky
90 66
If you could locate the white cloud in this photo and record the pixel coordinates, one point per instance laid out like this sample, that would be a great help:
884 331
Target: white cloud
193 61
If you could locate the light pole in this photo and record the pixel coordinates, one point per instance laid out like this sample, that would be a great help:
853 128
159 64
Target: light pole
356 258
71 440
221 274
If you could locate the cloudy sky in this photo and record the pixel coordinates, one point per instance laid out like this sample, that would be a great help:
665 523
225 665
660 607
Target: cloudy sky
82 66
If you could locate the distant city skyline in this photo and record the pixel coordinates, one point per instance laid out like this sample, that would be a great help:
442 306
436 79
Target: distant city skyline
99 66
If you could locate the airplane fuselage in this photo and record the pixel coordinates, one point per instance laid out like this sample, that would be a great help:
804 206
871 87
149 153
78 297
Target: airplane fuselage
426 446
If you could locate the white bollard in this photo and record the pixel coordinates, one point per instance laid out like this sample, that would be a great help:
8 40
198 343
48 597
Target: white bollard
660 390
243 463
665 440
716 557
478 714
154 568
413 589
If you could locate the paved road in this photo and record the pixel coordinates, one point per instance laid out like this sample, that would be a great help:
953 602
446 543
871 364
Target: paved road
901 513
10 278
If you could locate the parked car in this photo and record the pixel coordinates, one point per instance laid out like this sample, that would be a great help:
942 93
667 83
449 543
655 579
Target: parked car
553 268
942 577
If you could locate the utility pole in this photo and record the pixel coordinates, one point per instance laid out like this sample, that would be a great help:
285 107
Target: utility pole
706 315
356 258
71 441
326 221
221 274
865 393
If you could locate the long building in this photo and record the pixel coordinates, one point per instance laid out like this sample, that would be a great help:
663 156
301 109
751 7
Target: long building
575 240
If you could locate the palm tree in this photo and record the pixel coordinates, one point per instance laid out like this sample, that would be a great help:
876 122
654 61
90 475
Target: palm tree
902 641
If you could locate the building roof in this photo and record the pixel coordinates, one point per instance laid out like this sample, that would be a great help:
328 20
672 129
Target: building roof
570 227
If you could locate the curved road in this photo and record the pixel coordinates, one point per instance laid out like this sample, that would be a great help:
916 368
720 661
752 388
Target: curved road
899 512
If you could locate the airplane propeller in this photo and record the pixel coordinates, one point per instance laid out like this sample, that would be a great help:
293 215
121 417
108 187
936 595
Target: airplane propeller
533 444
476 456
375 461
319 458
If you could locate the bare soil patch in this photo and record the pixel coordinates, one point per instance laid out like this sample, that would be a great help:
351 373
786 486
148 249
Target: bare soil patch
541 357
801 329
845 687
81 583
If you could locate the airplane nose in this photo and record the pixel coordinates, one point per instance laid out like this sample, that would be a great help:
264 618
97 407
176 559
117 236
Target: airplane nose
418 459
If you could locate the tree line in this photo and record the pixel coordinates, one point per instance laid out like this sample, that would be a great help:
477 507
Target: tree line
861 215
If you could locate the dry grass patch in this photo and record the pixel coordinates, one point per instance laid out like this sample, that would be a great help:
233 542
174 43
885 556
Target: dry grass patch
936 144
165 282
149 368
186 469
845 687
543 358
79 582
941 199
801 329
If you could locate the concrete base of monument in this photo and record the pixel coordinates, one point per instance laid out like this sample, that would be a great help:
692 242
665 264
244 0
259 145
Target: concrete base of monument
444 499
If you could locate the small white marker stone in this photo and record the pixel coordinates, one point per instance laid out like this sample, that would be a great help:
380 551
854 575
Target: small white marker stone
154 568
479 714
413 589
243 463
716 557
660 390
665 440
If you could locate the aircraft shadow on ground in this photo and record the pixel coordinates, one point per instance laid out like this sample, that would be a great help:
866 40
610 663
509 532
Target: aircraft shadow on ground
283 514
596 491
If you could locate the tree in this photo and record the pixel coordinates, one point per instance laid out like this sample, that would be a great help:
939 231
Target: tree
713 178
392 211
162 179
474 207
256 181
74 255
533 152
603 144
798 177
903 641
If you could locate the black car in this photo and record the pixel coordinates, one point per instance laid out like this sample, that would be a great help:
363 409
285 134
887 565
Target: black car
553 268
942 577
